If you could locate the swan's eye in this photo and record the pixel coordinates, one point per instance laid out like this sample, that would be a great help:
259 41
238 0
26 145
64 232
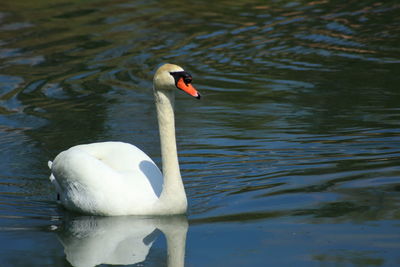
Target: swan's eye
187 78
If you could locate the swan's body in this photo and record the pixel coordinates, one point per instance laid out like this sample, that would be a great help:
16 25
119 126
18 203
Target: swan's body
115 178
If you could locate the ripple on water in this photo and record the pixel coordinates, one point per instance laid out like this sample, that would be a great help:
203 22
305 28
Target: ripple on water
300 111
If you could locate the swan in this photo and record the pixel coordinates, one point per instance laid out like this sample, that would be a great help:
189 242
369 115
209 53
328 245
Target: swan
116 178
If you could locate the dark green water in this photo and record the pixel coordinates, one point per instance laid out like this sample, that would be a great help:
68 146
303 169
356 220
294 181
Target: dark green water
292 157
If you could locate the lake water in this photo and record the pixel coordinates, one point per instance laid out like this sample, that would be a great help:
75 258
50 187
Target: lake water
291 158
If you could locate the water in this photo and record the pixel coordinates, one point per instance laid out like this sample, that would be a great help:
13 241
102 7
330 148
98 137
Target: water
292 157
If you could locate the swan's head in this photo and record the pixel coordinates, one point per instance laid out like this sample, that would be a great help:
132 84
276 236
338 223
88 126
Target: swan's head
170 77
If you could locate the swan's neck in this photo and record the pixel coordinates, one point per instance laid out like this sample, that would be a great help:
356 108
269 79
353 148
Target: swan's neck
173 194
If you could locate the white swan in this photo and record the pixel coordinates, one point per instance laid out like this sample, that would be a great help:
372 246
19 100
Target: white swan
115 178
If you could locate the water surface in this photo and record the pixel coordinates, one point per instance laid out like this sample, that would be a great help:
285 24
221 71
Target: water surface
291 158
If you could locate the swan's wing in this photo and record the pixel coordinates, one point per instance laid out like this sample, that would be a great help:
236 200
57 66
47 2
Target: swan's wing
106 178
129 161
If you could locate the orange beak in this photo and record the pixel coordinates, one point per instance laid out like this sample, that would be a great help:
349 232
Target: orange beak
188 88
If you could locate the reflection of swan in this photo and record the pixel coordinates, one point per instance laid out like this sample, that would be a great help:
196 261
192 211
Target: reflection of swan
114 178
92 240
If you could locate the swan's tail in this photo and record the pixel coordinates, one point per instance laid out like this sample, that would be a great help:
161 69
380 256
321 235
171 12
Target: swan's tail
54 181
52 178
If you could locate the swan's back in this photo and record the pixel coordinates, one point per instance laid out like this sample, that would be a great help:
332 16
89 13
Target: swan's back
109 178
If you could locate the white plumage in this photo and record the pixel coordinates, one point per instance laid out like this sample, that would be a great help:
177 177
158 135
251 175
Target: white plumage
115 178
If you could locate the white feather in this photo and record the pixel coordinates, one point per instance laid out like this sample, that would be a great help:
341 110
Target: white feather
115 178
